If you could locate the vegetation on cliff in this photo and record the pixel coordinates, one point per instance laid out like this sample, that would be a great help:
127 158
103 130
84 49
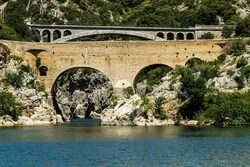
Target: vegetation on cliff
202 101
183 13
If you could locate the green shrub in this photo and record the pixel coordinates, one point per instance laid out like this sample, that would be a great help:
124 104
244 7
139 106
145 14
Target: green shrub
114 100
207 35
9 106
242 62
227 108
243 27
236 47
146 105
191 92
246 71
13 79
5 53
240 81
227 31
128 92
25 68
159 111
230 72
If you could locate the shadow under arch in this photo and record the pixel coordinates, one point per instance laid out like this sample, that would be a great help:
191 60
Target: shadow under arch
66 75
151 74
193 61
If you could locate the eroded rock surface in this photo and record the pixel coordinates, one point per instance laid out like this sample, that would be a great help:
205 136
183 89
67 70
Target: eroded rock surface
82 93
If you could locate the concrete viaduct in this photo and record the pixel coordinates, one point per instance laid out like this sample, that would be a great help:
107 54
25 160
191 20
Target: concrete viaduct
119 61
65 33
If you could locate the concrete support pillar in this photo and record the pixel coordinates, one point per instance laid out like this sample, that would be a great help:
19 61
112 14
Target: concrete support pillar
51 36
41 35
185 36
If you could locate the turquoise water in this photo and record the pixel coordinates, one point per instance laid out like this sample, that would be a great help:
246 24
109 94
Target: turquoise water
84 143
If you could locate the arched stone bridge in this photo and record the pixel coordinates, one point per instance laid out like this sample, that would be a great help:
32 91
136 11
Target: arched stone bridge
119 61
65 33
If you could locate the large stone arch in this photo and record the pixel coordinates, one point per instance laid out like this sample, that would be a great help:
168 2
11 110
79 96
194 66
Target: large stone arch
53 92
105 32
61 72
148 66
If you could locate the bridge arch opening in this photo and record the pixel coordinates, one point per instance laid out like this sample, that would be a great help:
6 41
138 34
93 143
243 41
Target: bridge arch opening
43 70
57 34
180 36
160 35
81 92
67 32
170 36
46 36
190 36
193 61
150 76
109 37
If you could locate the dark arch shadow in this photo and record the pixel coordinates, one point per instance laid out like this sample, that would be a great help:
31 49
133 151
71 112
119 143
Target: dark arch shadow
180 36
151 74
190 36
160 35
43 70
67 32
170 36
72 87
57 34
193 61
46 36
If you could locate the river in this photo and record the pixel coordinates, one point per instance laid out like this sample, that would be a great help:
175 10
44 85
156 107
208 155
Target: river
84 143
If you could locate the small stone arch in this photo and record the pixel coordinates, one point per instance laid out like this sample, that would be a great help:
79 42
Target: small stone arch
191 62
170 36
67 32
190 36
43 70
180 36
46 35
160 35
57 34
145 71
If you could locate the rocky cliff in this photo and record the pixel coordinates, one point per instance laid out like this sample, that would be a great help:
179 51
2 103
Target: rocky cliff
18 86
82 93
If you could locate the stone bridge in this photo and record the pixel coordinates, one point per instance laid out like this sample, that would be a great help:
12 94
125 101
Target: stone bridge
64 33
119 61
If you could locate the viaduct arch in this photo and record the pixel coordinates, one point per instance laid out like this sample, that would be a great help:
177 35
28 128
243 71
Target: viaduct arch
119 61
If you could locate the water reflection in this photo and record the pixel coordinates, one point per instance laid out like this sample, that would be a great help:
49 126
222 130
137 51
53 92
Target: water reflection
79 130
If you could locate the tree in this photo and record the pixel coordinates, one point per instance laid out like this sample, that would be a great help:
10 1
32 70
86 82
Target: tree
207 35
243 27
227 31
9 106
192 92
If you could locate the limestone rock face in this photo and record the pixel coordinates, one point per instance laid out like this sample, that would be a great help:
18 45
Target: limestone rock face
130 112
36 109
82 93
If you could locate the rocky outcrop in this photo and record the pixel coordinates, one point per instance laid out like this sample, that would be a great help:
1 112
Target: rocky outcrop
36 109
82 93
131 112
